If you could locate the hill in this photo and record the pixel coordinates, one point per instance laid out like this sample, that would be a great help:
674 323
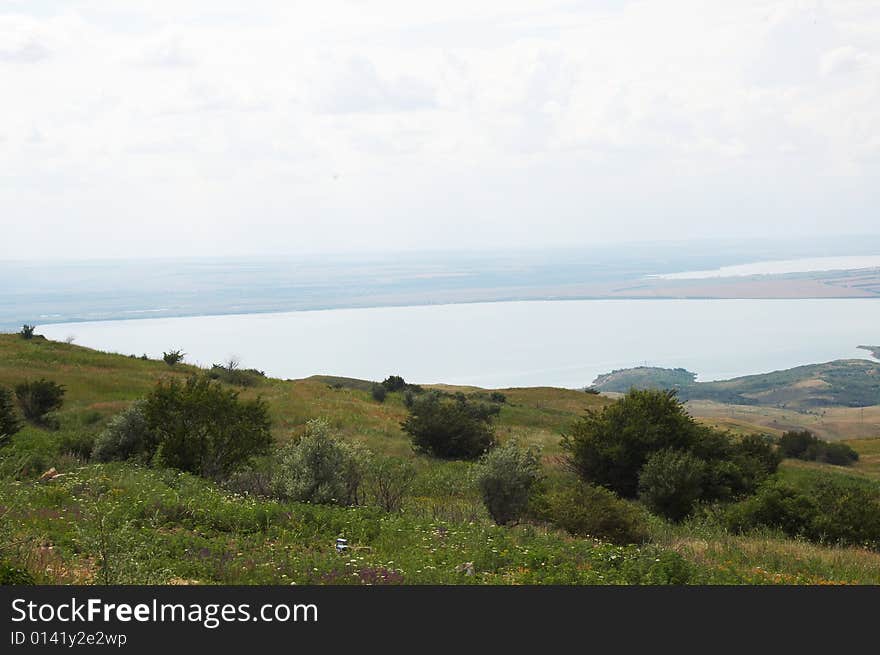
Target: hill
127 523
840 383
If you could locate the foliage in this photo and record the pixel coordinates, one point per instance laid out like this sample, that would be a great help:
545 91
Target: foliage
824 510
13 575
232 373
671 482
173 357
609 446
36 399
449 429
497 397
394 383
505 477
802 444
9 421
388 481
321 468
378 392
202 427
587 510
27 331
126 436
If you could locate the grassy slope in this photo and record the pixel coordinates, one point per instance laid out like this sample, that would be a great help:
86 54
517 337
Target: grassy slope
175 527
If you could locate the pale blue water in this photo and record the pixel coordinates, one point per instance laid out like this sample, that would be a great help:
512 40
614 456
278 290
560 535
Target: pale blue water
554 343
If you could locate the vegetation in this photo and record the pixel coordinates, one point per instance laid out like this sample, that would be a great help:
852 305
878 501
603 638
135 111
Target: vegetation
36 399
321 468
232 373
456 429
27 331
802 444
505 477
173 357
418 518
379 393
9 421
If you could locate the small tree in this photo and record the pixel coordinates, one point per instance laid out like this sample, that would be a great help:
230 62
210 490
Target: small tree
127 435
9 421
173 357
378 392
27 331
321 468
203 427
389 480
449 429
394 383
505 477
671 482
37 399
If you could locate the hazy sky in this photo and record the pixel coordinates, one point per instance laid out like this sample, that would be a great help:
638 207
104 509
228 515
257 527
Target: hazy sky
169 127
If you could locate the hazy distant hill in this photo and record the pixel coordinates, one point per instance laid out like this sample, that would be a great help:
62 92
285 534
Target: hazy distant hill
846 382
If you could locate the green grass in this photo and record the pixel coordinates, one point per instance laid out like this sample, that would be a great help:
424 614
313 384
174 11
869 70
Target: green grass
124 523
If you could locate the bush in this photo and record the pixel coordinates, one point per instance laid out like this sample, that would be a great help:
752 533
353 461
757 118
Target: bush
80 443
389 480
498 397
37 399
805 445
823 510
505 477
453 429
378 392
590 511
321 468
609 446
9 422
173 357
27 331
394 383
13 575
671 482
232 373
127 435
203 427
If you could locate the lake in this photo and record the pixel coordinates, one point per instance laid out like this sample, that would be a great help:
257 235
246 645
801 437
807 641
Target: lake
505 344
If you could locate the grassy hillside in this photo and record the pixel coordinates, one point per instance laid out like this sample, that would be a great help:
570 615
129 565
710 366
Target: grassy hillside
845 383
126 523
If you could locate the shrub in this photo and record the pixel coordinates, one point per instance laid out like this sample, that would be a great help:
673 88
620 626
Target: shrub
27 331
9 422
805 445
232 373
79 443
453 429
389 480
498 397
671 482
13 575
321 468
609 446
409 399
37 399
505 478
378 392
590 511
203 427
127 435
173 357
394 383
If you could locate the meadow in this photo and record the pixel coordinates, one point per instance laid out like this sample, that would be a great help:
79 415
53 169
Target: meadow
124 522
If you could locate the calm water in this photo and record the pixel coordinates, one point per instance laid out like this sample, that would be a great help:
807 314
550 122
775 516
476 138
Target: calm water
780 266
557 343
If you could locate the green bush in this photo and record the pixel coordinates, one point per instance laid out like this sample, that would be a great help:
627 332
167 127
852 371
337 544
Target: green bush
127 435
609 446
321 468
505 477
823 510
394 383
591 511
9 422
173 357
37 399
378 392
27 331
232 373
203 427
805 445
388 481
671 482
449 429
794 443
78 442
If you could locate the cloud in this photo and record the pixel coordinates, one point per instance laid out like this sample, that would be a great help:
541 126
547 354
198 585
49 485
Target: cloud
22 42
357 87
165 50
841 61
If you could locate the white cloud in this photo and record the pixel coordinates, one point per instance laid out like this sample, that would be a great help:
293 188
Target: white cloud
400 125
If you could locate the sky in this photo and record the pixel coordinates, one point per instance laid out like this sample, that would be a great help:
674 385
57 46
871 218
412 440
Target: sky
152 128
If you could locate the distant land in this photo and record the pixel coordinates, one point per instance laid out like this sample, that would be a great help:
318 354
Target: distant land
874 350
842 383
45 292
